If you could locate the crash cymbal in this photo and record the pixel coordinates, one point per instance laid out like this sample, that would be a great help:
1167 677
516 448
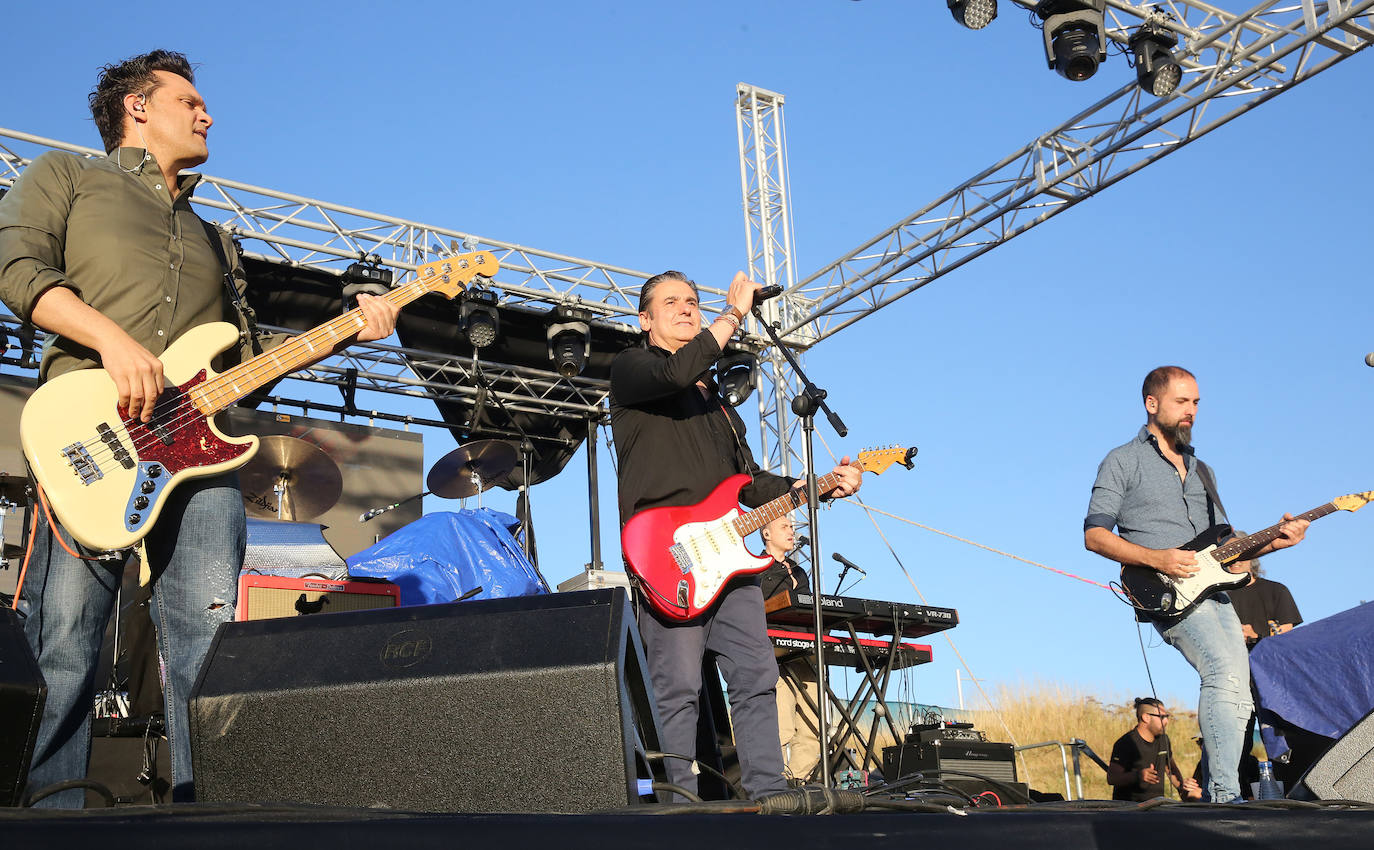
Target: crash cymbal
12 488
486 461
307 478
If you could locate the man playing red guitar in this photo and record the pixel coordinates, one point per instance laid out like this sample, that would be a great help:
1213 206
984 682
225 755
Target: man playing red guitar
676 442
107 256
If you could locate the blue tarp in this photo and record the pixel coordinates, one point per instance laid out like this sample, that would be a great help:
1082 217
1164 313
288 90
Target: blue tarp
1319 676
441 556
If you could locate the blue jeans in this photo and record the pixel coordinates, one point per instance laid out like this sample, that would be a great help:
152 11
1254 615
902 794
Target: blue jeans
735 633
1210 638
195 552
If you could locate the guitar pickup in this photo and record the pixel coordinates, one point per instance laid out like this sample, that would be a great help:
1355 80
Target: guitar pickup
160 431
121 454
82 463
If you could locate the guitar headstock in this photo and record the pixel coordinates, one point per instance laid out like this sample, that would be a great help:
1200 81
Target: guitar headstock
448 276
877 461
1354 501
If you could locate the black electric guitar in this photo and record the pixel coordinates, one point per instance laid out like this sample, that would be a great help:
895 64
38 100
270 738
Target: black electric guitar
1156 593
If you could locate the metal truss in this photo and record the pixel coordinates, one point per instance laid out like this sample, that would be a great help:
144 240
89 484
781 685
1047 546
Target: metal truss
760 129
299 231
1232 63
393 370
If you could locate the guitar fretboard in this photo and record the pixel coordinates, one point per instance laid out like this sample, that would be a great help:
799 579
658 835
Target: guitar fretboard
1235 548
304 349
781 506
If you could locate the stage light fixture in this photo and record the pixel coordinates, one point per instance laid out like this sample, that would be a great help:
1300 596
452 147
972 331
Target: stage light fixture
737 375
1156 71
1075 40
479 318
570 343
366 277
974 14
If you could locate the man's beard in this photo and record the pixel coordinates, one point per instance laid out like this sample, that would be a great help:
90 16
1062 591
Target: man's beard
1179 434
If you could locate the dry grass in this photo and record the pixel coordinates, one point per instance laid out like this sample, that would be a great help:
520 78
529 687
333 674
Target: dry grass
1041 711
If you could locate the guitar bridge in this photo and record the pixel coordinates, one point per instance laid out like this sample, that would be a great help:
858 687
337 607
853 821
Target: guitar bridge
82 463
681 558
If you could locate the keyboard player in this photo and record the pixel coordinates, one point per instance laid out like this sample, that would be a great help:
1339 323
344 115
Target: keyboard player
798 729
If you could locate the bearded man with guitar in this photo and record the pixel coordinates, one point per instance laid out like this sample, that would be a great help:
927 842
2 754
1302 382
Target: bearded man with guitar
1158 496
107 256
676 443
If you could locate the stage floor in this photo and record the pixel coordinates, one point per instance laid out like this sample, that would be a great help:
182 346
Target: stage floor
1052 826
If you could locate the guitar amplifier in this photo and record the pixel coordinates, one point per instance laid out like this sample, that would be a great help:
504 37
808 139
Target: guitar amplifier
946 759
263 597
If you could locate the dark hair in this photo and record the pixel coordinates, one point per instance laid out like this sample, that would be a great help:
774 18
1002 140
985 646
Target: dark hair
1141 702
132 76
1158 380
646 292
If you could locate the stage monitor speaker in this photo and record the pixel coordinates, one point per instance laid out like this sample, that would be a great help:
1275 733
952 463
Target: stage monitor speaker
506 705
1346 771
22 694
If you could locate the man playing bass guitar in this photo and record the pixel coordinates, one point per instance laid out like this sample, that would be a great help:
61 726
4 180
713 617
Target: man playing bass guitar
676 442
1158 496
107 256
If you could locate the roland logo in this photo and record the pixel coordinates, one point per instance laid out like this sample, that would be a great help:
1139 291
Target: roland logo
406 649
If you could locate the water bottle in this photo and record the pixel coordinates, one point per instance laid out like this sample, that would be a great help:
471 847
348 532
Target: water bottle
1268 788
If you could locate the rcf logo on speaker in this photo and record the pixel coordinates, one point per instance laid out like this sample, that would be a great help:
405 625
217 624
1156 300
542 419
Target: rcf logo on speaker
406 649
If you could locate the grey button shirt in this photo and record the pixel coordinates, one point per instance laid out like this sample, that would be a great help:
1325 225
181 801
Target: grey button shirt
1138 492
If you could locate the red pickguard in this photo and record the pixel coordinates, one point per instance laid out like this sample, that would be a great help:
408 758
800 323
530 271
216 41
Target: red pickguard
193 443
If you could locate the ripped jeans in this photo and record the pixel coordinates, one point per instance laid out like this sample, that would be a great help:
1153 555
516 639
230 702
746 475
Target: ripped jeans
195 552
1210 638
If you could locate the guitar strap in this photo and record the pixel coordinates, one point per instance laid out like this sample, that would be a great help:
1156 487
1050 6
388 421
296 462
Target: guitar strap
1210 485
233 273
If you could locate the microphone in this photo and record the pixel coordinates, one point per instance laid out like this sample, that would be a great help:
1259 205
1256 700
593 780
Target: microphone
1369 359
765 292
367 515
848 563
803 540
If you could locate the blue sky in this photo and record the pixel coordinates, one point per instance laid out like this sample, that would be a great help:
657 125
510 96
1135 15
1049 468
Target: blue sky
606 130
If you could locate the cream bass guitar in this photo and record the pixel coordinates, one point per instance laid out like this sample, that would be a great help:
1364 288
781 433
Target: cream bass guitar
108 476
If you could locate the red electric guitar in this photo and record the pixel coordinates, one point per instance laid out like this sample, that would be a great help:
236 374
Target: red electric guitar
684 555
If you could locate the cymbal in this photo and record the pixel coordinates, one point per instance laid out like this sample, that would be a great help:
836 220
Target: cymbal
490 461
12 487
308 478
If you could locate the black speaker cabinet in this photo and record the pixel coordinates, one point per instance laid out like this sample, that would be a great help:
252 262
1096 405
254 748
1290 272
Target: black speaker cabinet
532 704
1346 771
22 694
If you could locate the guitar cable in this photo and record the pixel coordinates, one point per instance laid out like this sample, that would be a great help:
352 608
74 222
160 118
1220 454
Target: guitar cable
33 533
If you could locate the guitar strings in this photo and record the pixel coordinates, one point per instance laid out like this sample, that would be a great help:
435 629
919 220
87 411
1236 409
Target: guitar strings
184 413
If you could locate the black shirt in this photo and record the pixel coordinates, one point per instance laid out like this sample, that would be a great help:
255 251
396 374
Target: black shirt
1261 601
1135 754
674 444
778 578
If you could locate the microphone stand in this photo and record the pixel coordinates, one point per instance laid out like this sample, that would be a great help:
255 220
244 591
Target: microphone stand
812 398
840 581
527 451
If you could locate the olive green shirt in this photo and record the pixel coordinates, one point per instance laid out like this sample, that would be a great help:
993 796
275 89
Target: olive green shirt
109 230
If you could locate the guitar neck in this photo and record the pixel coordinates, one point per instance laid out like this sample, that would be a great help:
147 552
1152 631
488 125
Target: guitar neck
1235 548
296 353
781 506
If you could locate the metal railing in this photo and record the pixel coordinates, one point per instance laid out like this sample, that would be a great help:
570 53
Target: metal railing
1070 751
